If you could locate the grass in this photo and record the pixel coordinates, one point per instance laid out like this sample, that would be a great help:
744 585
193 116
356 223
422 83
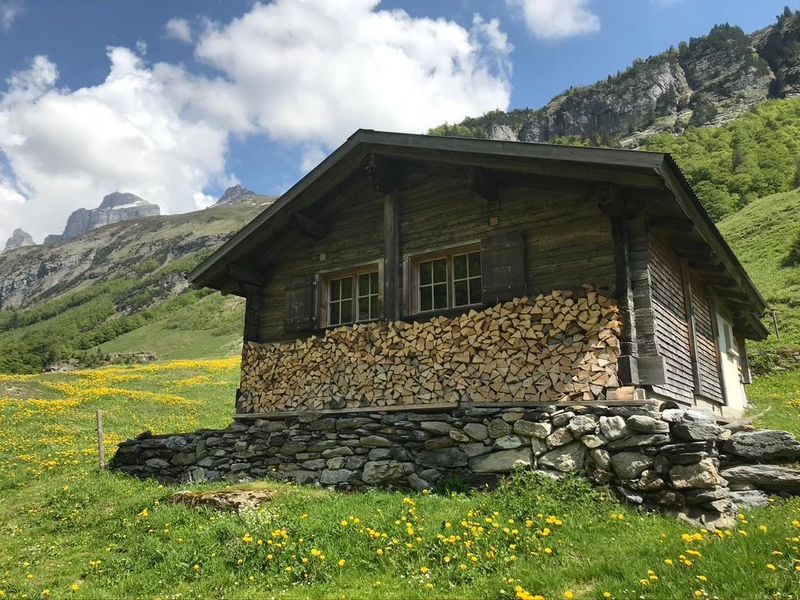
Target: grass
208 327
761 235
66 525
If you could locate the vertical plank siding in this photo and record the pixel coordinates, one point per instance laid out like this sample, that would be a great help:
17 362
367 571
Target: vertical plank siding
707 357
671 323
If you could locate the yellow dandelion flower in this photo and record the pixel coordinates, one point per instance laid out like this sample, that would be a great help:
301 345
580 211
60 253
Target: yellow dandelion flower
771 568
668 562
342 562
196 567
424 570
763 528
607 595
568 595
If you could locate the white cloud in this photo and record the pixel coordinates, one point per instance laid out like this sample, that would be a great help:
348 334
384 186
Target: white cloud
67 149
556 19
305 73
314 71
179 29
9 11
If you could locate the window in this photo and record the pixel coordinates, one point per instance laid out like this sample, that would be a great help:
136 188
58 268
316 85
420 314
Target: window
448 281
352 297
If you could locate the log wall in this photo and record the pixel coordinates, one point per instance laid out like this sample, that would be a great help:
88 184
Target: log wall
567 239
556 347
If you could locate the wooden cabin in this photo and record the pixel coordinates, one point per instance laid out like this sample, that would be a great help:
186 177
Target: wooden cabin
420 271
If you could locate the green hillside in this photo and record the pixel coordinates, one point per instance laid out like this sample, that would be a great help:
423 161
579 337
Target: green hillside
120 289
763 234
753 156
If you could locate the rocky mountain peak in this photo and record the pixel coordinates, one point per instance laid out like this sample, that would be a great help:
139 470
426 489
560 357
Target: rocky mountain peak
121 199
115 207
235 193
18 239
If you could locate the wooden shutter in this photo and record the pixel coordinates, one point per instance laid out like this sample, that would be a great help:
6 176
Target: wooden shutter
300 304
502 267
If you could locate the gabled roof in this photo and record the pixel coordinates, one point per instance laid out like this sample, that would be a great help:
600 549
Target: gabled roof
648 171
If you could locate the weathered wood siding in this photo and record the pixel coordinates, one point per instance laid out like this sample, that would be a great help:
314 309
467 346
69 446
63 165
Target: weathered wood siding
355 223
707 357
567 237
671 324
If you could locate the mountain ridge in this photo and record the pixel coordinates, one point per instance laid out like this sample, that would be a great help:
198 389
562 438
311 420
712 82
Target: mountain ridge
710 80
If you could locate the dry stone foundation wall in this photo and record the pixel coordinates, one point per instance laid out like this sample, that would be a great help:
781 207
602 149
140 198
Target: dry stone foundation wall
650 454
555 347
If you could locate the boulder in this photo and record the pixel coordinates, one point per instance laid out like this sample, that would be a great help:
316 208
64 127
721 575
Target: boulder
699 475
559 437
502 461
498 428
613 428
763 445
385 470
750 499
582 424
446 458
769 477
437 427
601 458
376 441
509 442
476 431
645 424
696 432
532 429
333 477
176 443
593 441
569 457
629 465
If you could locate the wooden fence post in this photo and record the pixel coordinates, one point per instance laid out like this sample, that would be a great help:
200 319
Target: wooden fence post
101 450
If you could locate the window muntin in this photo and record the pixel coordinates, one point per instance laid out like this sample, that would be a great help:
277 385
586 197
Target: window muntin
340 301
352 297
448 281
368 295
466 279
433 284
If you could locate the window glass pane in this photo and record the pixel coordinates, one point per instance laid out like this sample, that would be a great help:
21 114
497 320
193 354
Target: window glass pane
347 311
425 298
440 295
363 284
363 308
460 266
373 306
347 288
373 282
475 264
425 270
475 290
461 293
440 270
335 289
333 313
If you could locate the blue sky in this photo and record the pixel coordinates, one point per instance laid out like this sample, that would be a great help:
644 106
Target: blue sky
175 100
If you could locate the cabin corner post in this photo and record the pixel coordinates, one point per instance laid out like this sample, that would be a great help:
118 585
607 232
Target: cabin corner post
620 216
391 267
252 312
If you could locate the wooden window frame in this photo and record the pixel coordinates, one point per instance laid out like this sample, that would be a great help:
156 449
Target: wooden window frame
447 253
354 272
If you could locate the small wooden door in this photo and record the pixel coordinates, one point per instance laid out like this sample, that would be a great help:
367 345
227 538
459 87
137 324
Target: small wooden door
735 396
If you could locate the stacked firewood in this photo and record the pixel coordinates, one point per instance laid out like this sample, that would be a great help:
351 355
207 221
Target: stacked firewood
556 347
